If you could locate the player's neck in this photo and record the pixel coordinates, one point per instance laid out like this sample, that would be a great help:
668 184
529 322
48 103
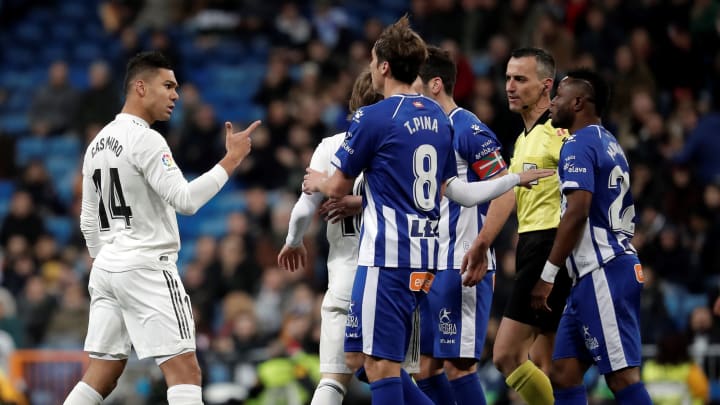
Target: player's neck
446 102
393 87
582 122
532 114
138 111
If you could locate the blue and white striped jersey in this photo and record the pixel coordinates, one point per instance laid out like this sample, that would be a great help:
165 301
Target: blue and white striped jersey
592 160
404 146
477 151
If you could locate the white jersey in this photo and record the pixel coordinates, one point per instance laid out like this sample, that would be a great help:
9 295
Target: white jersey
343 237
131 191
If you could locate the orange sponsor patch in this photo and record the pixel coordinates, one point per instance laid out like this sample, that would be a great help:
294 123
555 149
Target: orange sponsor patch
639 276
421 280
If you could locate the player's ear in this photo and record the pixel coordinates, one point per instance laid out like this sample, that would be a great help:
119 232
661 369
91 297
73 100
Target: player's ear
140 87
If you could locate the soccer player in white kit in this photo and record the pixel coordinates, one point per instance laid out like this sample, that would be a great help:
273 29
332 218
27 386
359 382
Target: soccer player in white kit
342 236
131 191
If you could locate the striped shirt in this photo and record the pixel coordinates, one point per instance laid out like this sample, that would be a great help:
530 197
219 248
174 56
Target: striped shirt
592 160
477 151
404 146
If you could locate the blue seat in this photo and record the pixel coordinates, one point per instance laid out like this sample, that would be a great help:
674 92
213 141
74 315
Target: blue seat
30 33
7 188
53 52
19 101
29 148
18 57
215 227
86 53
75 11
60 167
14 123
66 145
61 228
65 32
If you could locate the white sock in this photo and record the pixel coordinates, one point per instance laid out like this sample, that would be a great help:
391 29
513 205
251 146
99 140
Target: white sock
184 394
328 392
83 394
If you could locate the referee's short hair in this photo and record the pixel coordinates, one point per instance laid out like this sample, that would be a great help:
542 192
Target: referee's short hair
545 61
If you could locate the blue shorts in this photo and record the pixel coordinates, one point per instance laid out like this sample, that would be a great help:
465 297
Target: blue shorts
454 318
601 324
381 313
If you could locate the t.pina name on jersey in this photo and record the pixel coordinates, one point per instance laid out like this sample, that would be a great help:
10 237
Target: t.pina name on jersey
423 122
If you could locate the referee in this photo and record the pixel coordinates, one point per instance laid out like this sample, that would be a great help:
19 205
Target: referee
525 333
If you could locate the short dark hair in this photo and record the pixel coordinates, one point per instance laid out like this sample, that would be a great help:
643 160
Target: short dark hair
545 61
403 49
439 64
143 62
596 88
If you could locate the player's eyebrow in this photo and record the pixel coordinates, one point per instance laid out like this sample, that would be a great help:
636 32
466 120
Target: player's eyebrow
171 84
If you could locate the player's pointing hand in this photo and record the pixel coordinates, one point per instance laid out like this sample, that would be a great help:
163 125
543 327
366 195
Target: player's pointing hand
238 144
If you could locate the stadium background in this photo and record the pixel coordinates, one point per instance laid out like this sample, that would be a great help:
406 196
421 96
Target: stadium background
292 64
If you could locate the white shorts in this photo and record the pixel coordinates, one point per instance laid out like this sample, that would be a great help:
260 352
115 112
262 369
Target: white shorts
147 309
332 334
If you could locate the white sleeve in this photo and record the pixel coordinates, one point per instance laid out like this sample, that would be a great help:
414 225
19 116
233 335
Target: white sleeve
306 205
89 218
301 217
477 192
166 179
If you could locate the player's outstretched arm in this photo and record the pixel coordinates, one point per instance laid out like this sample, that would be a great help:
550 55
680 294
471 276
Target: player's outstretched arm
477 192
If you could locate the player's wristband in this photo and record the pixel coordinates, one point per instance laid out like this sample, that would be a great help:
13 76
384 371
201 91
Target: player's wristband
549 272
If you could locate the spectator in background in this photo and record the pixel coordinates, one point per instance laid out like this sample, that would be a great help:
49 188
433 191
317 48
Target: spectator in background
9 321
235 269
292 28
36 308
100 101
68 324
22 219
54 105
701 149
200 141
277 82
673 377
38 184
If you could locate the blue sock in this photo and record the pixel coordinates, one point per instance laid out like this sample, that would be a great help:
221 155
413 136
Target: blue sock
411 392
571 396
361 375
635 394
438 389
468 390
387 391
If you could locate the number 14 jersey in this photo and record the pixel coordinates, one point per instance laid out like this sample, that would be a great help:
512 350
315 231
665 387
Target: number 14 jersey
592 160
132 189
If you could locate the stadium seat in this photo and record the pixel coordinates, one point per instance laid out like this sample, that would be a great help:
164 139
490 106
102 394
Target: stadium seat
14 123
61 228
66 145
28 148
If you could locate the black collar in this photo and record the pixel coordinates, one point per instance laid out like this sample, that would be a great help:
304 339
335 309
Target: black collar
540 121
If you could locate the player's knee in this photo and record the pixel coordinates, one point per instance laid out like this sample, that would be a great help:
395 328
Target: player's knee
506 360
622 379
458 368
182 369
354 360
563 375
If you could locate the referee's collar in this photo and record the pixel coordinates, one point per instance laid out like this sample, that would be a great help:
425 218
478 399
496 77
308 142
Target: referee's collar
540 121
133 118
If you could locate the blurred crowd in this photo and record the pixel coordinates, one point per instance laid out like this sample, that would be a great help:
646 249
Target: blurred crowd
662 58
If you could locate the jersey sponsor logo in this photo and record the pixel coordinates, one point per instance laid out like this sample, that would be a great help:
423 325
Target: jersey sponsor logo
489 165
418 104
476 130
168 162
419 281
424 228
570 168
639 275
